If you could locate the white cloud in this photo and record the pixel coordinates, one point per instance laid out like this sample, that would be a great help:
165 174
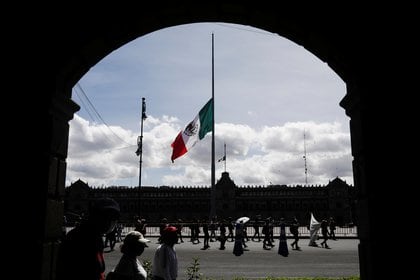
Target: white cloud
270 155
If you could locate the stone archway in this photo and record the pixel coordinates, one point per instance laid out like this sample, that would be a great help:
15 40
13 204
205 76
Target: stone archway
85 41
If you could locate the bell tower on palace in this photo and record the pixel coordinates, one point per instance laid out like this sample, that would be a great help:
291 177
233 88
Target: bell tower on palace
225 196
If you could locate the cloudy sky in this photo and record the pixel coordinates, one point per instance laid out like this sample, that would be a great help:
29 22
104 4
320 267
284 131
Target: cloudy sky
268 91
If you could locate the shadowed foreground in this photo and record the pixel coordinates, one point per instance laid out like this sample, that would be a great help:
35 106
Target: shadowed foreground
341 260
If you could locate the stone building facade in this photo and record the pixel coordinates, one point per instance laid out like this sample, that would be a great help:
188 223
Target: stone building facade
336 199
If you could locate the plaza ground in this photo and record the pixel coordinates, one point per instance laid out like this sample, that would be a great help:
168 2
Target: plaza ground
338 261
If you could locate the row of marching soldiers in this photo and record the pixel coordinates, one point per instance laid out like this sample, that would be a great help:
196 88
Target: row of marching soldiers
227 231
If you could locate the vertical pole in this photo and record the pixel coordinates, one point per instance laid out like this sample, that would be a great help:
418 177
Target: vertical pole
213 168
304 157
140 146
224 157
140 160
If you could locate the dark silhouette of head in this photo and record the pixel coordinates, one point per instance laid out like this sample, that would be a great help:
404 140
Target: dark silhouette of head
104 214
169 235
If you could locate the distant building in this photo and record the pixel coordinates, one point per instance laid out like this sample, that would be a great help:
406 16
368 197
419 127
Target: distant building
336 199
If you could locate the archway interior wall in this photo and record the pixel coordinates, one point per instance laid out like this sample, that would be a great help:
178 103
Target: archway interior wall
317 40
80 53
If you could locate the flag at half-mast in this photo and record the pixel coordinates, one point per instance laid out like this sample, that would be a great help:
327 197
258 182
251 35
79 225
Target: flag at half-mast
223 158
194 131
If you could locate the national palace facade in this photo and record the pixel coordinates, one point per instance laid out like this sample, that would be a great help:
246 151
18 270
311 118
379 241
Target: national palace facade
336 199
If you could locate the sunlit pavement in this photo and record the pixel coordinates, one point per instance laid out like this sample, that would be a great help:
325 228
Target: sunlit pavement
340 260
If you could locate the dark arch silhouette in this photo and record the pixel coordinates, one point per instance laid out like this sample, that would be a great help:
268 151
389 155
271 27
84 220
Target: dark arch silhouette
75 41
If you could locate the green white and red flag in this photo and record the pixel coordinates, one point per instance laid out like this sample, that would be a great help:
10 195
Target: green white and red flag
194 131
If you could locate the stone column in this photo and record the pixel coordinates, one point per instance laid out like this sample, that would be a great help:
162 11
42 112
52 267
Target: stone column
48 197
369 207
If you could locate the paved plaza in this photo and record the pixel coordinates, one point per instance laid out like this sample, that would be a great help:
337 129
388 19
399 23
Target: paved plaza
340 260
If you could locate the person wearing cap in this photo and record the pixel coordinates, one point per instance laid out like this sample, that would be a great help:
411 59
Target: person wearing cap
165 261
80 254
129 266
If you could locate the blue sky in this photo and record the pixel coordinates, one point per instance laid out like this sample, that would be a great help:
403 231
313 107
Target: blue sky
268 90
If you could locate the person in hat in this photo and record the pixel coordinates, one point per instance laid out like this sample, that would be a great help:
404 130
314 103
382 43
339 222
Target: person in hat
129 266
165 261
80 254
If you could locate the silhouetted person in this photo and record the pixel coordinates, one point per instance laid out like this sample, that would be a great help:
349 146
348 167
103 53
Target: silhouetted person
332 228
256 227
206 235
195 231
212 228
230 229
137 223
129 267
165 261
81 252
192 230
222 237
140 226
163 224
294 230
245 233
283 250
64 227
267 245
324 232
179 227
239 239
111 238
271 230
120 228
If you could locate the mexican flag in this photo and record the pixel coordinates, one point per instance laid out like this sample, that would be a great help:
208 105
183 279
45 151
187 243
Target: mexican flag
194 131
313 231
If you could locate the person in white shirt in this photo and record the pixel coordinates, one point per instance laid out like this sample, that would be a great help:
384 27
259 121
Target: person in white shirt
129 266
165 261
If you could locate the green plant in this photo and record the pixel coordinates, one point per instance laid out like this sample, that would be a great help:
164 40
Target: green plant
193 271
147 264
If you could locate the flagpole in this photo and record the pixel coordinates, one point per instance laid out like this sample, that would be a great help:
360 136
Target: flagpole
224 156
304 157
213 168
139 151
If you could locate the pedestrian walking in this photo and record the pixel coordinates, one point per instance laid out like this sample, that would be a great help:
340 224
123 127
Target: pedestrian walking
267 245
111 238
80 254
165 261
294 230
206 235
283 250
239 236
179 227
222 236
129 266
324 232
331 225
256 227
